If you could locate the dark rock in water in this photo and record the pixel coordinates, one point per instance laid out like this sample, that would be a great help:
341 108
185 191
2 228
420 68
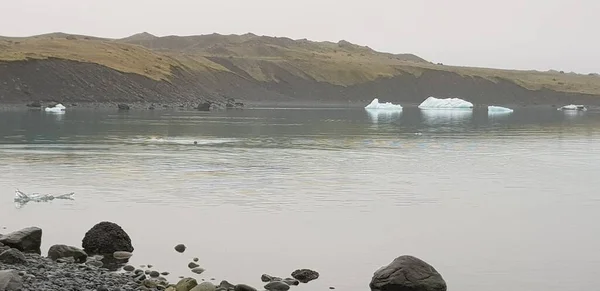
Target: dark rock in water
13 257
27 240
150 266
192 265
196 259
34 104
186 284
266 278
106 238
165 273
123 106
10 280
305 275
331 288
129 268
154 274
63 251
205 286
291 281
243 287
198 270
277 286
407 273
180 248
204 106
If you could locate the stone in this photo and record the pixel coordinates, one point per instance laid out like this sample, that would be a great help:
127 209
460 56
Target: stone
186 284
198 270
63 251
277 286
154 274
243 287
226 285
204 106
266 278
150 266
165 273
10 280
196 260
180 248
305 275
123 106
94 263
121 255
407 273
192 265
205 286
129 268
147 272
27 240
150 283
106 238
13 257
291 281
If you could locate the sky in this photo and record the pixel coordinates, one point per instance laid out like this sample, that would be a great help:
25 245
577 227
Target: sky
512 34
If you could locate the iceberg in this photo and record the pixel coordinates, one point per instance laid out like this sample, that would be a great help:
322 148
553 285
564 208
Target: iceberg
58 108
383 106
447 103
499 110
22 198
573 107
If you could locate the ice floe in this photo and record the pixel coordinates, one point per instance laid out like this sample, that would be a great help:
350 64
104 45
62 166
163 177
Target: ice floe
499 110
573 107
446 103
383 106
58 108
21 198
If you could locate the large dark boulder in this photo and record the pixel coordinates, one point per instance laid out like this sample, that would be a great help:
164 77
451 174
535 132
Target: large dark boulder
10 280
123 106
407 273
63 251
204 106
13 257
305 275
27 240
106 238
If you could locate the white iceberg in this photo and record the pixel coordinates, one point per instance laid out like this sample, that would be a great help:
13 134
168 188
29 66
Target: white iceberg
573 107
383 106
499 110
58 108
21 198
447 103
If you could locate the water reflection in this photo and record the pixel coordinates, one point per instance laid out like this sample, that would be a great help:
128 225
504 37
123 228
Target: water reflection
383 116
446 116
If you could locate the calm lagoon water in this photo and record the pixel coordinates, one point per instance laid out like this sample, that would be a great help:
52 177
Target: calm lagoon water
503 202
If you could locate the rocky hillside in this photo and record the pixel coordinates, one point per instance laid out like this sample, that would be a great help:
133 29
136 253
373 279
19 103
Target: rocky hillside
177 69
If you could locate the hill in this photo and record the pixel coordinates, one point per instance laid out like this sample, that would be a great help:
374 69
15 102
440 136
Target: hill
147 68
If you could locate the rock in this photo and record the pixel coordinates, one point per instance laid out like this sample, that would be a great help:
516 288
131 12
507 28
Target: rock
150 266
291 281
266 278
205 286
186 284
121 255
198 270
154 274
204 106
243 287
165 273
331 288
123 106
277 286
94 263
196 259
149 284
106 238
103 288
27 240
226 285
305 275
129 268
34 104
63 251
192 265
180 248
10 280
147 272
407 273
13 257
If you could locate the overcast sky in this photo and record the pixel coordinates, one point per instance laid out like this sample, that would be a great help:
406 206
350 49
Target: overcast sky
521 34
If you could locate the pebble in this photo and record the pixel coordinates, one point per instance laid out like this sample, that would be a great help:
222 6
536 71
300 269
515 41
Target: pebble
147 272
196 259
331 288
154 274
198 270
150 266
165 273
192 265
180 248
277 286
129 268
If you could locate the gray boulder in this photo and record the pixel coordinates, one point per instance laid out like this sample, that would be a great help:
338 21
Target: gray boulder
10 280
13 257
206 106
277 286
244 287
63 251
27 240
205 286
407 273
106 238
305 275
186 284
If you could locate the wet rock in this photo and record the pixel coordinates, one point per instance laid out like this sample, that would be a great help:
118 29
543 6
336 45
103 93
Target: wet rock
407 273
63 251
129 268
205 286
123 106
106 238
150 266
196 260
186 284
331 288
243 287
154 274
277 286
180 248
204 106
165 273
226 285
305 275
13 257
198 270
121 255
192 265
27 240
291 281
10 280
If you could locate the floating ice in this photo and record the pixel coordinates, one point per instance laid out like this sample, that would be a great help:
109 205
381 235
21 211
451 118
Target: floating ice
382 106
573 107
447 103
58 108
498 109
22 198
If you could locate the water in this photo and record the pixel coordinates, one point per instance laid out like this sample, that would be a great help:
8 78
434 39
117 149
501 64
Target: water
503 202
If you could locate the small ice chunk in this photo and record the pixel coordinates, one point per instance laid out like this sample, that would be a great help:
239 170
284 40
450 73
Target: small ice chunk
58 108
573 107
498 109
447 103
36 197
383 106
